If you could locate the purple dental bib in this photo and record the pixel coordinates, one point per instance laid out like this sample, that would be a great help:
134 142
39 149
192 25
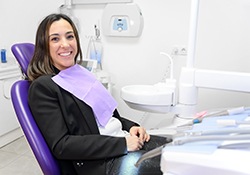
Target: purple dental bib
83 85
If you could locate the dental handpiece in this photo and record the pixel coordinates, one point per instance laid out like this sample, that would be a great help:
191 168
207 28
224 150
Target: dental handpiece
232 122
232 111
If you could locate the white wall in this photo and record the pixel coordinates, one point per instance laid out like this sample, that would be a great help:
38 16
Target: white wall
223 42
19 19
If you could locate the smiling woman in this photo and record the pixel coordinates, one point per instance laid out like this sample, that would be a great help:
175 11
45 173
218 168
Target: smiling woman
57 39
76 114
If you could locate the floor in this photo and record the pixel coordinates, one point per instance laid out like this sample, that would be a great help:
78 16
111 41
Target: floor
17 158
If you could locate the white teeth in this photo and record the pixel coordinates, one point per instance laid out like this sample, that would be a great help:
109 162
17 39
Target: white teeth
65 54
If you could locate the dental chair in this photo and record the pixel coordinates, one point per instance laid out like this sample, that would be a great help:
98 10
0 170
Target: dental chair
19 94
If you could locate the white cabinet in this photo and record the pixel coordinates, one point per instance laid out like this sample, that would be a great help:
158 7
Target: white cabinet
9 126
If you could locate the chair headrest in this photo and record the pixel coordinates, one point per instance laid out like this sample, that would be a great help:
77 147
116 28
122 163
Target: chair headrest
23 53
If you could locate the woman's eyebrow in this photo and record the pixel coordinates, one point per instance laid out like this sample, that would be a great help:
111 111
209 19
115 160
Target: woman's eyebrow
70 32
57 34
54 34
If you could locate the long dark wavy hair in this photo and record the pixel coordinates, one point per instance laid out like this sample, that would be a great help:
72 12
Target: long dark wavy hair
41 62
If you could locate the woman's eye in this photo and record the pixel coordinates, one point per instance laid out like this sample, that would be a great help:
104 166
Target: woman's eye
70 37
55 39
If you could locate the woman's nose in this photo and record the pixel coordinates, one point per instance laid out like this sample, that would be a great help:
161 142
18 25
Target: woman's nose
64 43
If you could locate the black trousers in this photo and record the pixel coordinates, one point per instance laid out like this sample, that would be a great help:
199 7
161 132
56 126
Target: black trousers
125 165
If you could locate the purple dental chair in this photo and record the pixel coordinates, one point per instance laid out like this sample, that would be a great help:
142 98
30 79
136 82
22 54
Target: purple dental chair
19 94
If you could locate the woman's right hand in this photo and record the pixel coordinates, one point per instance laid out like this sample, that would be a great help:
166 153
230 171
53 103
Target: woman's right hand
134 143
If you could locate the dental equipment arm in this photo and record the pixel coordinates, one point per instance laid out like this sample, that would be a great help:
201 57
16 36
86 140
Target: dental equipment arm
191 78
181 141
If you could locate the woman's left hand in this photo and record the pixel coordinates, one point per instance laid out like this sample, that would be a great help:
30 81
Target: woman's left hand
139 132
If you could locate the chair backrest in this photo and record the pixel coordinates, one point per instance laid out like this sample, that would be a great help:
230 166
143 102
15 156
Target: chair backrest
19 96
23 53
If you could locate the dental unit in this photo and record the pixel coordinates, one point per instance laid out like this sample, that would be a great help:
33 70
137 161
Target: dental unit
193 151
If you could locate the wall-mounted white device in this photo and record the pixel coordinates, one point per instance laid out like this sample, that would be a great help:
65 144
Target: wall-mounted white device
122 20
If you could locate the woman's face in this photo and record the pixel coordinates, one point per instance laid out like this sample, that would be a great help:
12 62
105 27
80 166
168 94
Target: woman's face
62 44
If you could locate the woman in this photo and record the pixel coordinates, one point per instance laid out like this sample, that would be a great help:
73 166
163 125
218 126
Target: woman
75 113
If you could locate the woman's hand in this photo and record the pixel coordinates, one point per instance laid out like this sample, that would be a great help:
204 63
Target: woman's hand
136 139
133 143
139 132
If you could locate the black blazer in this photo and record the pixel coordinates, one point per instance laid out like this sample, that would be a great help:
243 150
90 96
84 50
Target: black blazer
70 129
